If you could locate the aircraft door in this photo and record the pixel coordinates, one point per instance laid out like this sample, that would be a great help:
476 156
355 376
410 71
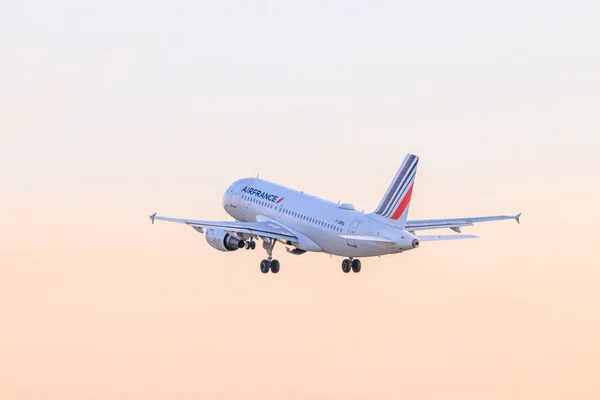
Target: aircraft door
352 231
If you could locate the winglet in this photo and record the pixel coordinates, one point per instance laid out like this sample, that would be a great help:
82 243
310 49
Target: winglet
152 217
517 217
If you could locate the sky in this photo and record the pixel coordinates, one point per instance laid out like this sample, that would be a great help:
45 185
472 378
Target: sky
111 111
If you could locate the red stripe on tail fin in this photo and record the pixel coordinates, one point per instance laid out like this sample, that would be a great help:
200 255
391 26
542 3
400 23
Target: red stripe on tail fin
404 203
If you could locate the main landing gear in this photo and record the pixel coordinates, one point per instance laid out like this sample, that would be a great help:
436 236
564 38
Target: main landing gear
269 263
266 265
351 264
250 245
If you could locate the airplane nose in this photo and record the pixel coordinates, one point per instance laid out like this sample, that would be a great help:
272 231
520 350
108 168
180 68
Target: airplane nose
225 198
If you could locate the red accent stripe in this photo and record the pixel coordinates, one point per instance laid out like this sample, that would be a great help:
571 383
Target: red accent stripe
279 201
404 203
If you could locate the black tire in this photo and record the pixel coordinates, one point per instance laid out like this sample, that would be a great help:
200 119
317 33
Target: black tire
356 265
274 266
264 266
253 247
346 266
247 245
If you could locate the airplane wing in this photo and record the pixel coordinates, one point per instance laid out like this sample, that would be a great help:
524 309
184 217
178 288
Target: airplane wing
454 223
263 229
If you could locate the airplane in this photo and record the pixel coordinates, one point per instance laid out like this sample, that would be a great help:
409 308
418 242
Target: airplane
304 223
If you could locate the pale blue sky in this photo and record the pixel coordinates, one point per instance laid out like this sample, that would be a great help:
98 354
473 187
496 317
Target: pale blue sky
387 69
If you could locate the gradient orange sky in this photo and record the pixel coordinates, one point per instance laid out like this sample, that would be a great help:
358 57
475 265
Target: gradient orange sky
110 112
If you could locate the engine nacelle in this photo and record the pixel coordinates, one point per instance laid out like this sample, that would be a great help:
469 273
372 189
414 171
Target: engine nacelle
223 241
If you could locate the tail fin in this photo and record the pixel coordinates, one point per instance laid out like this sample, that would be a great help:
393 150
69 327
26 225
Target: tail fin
395 203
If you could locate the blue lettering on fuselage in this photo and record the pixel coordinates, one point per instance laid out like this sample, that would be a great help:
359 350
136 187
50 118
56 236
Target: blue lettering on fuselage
260 194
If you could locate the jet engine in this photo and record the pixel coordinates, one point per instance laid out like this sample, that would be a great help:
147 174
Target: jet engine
223 241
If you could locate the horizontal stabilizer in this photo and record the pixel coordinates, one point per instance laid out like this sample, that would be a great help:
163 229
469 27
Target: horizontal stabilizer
435 238
368 238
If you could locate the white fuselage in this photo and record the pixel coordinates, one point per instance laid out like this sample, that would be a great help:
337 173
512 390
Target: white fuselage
318 223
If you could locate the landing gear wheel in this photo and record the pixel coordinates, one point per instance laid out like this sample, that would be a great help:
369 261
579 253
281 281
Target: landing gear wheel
356 265
274 266
253 245
264 266
346 266
248 245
